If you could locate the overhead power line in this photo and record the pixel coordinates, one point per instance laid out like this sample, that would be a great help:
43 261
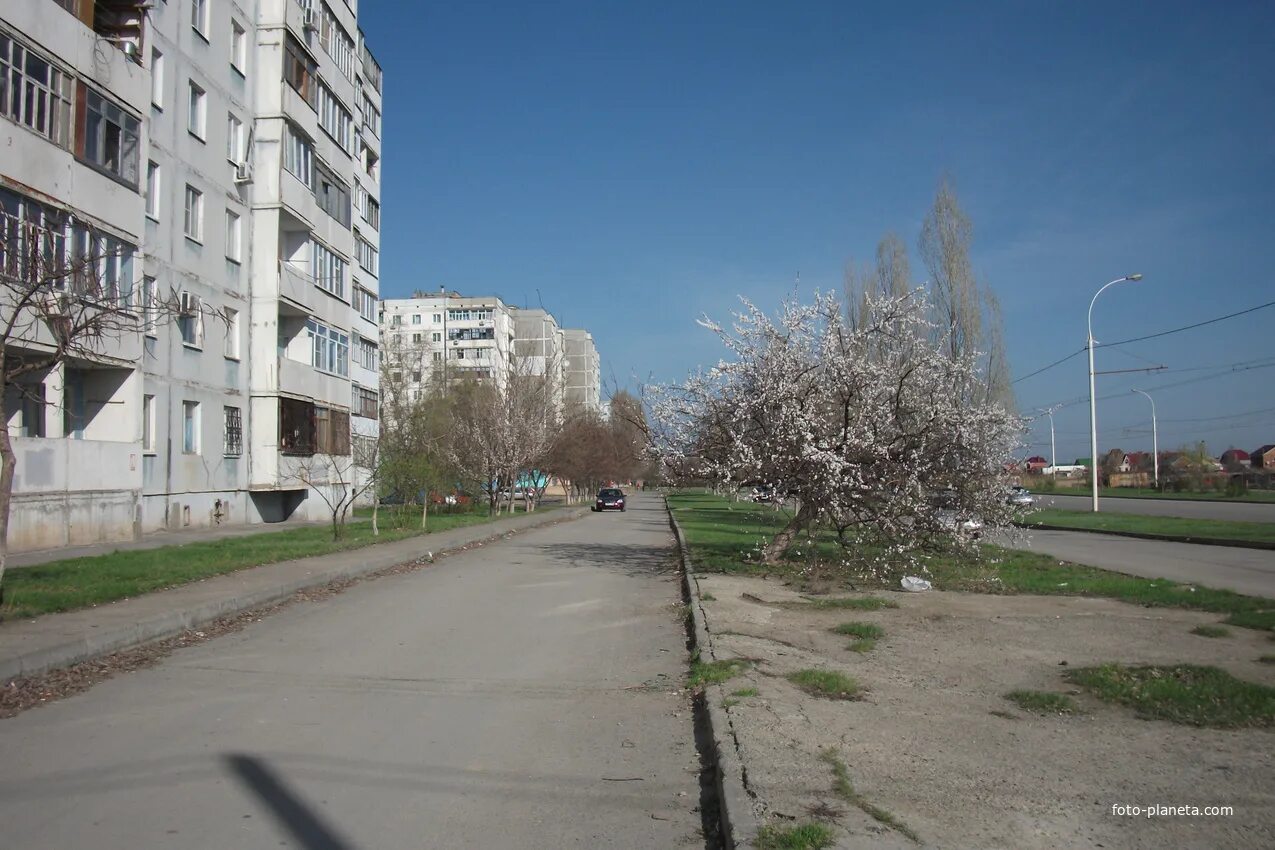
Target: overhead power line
1062 360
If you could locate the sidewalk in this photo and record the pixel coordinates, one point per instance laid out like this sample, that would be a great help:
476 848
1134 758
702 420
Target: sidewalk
56 640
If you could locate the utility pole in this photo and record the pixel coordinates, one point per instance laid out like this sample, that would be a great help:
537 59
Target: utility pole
1155 440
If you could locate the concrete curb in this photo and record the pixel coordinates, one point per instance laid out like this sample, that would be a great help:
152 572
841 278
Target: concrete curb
738 821
157 627
1164 538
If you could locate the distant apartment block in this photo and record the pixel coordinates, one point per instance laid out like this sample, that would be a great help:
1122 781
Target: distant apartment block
449 336
226 158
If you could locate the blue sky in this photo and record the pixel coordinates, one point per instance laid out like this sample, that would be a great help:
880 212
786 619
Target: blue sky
632 166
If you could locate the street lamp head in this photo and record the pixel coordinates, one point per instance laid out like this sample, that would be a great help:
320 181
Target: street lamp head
1134 277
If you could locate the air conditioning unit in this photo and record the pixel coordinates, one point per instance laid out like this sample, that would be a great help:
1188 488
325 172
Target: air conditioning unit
243 172
308 19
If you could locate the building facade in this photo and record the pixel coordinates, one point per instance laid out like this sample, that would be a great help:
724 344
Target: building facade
583 372
228 153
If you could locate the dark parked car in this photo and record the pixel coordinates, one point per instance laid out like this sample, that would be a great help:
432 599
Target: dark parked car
609 499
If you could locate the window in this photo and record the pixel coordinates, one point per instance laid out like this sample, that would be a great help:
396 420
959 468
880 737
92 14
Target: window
296 426
416 377
149 305
194 214
438 317
299 71
365 353
148 424
371 70
199 17
197 117
329 349
418 338
190 320
335 42
331 431
329 270
190 427
372 118
334 118
232 333
157 79
372 211
332 195
34 92
438 355
238 47
364 403
367 255
152 190
234 139
416 318
396 321
234 238
112 138
298 155
370 163
365 303
234 431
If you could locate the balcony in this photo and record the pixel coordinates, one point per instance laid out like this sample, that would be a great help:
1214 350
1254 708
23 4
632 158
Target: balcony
304 380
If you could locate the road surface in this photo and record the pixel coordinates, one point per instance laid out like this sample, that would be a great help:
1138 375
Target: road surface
1248 571
1239 511
522 694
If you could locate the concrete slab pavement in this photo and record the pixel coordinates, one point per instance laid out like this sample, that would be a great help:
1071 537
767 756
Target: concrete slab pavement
56 640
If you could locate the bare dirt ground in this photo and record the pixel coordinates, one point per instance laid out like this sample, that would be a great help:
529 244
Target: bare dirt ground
935 743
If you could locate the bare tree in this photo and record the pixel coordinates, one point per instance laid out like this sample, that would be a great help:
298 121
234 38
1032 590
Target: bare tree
67 295
335 478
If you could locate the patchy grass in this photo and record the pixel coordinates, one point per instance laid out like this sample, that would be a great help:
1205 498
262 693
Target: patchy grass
1185 693
1210 529
82 582
745 692
1264 620
1211 631
807 836
1266 659
729 703
707 597
862 645
826 683
858 603
715 672
844 788
1043 702
868 631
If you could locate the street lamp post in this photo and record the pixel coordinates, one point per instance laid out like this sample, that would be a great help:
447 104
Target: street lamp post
1093 397
1155 440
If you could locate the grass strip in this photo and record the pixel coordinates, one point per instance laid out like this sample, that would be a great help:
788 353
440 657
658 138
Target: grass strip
828 684
1211 631
83 582
725 537
844 788
714 672
857 603
1169 526
868 631
806 836
1043 702
1185 693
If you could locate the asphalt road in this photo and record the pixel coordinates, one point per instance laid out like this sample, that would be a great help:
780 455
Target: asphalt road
1240 511
519 695
1248 571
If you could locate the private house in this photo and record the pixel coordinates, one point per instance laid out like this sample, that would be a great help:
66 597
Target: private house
1035 463
1263 457
1235 458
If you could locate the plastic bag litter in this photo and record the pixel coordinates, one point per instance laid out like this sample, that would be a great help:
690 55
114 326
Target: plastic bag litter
914 584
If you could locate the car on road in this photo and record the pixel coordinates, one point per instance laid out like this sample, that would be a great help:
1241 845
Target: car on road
1020 497
609 499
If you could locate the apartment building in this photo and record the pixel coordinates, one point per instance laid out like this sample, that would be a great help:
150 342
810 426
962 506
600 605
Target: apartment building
226 155
448 335
539 343
73 103
583 371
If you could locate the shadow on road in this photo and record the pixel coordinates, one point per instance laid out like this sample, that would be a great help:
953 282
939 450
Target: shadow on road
288 809
632 559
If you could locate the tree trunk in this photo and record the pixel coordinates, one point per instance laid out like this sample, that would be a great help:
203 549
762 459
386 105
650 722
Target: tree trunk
777 546
376 506
8 463
425 509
